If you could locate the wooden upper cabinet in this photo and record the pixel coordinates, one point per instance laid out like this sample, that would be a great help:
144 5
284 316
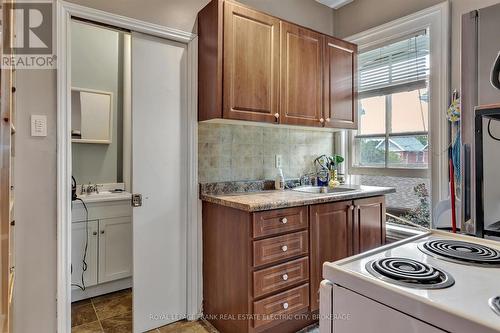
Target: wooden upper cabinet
340 87
251 64
301 76
254 66
369 223
331 236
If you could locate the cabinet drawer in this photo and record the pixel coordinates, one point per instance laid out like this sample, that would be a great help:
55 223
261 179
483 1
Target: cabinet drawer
280 277
270 250
279 221
280 305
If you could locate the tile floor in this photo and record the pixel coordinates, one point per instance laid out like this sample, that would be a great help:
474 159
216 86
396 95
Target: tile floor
112 313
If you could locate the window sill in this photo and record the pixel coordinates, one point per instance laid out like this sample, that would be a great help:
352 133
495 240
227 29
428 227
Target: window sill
395 172
396 232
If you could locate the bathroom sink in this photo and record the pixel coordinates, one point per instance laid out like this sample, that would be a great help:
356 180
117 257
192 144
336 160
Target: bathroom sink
105 196
325 190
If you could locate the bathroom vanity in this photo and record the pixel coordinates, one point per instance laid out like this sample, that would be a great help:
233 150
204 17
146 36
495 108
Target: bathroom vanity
107 234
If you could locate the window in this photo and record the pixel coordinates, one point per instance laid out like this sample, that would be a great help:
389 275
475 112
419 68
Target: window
394 105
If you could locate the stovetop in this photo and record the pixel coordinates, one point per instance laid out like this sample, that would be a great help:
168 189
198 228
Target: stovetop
464 289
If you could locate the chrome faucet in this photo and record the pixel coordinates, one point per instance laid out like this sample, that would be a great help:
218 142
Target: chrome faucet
90 188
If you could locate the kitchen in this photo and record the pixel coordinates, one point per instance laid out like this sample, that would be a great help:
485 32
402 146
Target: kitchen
299 147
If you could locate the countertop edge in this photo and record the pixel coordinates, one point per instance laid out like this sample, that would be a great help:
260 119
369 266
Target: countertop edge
217 199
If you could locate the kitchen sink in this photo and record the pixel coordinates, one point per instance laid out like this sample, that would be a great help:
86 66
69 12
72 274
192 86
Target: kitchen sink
323 189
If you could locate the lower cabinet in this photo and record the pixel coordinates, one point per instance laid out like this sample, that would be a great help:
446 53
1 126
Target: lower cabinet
341 229
115 249
369 223
331 239
80 233
262 270
109 250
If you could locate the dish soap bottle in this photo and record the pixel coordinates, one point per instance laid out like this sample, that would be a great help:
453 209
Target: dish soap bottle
279 182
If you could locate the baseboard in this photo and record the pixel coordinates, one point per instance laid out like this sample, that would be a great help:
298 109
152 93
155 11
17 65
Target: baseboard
100 289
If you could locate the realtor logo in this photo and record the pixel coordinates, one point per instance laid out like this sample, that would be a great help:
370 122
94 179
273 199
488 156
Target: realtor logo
30 45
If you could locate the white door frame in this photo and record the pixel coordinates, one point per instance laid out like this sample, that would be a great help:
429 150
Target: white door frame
65 11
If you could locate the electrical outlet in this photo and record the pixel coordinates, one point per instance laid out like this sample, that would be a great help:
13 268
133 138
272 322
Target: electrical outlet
278 161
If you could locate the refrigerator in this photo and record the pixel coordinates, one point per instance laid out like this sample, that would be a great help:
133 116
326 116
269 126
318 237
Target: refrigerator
480 46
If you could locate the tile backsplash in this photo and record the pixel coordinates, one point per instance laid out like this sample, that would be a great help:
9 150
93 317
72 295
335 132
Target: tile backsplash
229 152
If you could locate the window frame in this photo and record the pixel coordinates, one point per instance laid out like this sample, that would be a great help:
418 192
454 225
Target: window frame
437 19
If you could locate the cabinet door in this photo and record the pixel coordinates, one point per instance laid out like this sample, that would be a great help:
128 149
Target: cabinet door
330 238
340 88
369 223
115 248
83 234
251 65
301 76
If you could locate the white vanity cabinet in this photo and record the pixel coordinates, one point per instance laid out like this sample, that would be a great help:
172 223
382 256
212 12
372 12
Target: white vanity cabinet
109 247
79 233
115 249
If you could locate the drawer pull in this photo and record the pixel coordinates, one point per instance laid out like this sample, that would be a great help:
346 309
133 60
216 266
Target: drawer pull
284 248
285 277
284 220
285 305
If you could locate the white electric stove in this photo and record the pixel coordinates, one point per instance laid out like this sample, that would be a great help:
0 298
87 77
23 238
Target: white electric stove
435 282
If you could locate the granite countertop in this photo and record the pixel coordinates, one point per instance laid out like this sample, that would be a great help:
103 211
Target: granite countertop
273 199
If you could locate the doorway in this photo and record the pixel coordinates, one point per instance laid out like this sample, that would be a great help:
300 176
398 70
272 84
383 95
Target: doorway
132 139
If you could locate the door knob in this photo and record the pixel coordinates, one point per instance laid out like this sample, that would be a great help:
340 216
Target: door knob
276 115
94 233
284 220
284 248
285 305
285 277
327 120
102 232
351 207
321 120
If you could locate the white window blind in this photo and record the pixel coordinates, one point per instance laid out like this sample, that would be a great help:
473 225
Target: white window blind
396 65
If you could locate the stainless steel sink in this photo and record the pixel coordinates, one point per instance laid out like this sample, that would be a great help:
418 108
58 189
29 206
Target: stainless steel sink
325 190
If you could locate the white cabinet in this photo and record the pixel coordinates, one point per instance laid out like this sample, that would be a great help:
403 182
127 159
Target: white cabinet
115 248
80 232
109 250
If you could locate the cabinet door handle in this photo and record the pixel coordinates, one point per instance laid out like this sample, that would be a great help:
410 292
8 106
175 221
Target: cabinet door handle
327 120
285 277
321 120
276 115
102 232
94 233
285 305
284 220
351 207
284 248
358 207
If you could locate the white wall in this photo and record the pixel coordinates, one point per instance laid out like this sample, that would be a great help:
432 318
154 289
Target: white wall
35 300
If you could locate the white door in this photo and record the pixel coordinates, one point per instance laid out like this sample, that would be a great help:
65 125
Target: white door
115 248
83 235
159 173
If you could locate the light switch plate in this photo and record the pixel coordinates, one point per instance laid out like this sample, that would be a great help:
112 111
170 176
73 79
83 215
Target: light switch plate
38 125
278 161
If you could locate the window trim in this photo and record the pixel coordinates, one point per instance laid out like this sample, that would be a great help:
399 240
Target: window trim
437 20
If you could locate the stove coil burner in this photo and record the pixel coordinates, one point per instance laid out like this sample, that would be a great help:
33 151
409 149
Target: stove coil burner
494 304
462 252
409 273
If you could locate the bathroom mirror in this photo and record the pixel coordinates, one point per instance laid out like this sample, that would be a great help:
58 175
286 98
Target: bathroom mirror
91 116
